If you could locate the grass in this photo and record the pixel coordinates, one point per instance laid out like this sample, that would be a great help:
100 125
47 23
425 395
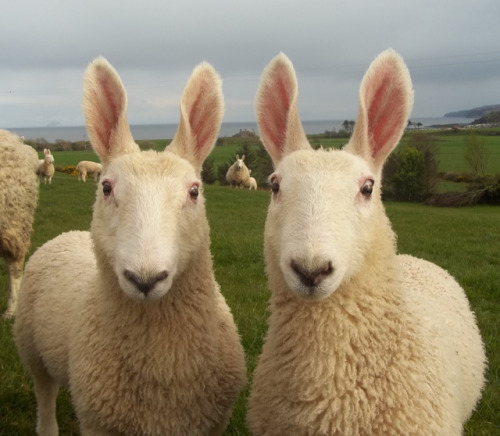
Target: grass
464 241
451 150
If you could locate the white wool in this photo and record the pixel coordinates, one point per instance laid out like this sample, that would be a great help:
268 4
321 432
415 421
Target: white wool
18 201
129 316
90 168
360 340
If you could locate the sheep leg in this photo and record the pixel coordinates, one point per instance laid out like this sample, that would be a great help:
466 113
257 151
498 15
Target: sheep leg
46 390
15 269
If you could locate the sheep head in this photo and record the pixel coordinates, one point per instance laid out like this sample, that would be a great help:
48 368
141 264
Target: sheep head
326 207
149 216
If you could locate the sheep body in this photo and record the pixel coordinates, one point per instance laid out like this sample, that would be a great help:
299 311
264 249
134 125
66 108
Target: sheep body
130 316
361 340
238 174
46 167
18 201
90 168
252 184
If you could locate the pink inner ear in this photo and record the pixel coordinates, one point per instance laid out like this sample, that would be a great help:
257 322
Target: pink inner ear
203 122
385 112
110 110
275 105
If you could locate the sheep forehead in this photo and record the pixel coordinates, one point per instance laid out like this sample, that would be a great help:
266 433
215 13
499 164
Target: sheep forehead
327 166
152 165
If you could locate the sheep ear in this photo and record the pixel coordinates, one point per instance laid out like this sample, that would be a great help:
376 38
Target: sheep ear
105 110
202 109
277 113
385 103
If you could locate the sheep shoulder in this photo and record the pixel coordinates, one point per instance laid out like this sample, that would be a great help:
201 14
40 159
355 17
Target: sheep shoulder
50 287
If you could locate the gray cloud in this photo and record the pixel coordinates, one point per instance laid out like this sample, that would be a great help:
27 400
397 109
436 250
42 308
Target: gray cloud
451 50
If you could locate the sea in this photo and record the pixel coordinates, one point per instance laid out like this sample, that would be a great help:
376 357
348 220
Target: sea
228 129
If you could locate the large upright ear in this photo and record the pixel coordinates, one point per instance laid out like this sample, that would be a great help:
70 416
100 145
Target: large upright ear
385 103
202 109
277 113
105 110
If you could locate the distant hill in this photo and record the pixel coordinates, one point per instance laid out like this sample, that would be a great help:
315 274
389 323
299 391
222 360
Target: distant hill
477 112
489 118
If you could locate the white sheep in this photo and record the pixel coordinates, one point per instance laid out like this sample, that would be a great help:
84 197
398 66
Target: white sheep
90 168
18 201
361 341
252 182
46 167
238 174
130 316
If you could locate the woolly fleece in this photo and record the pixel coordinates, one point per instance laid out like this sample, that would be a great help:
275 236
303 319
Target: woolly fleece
18 201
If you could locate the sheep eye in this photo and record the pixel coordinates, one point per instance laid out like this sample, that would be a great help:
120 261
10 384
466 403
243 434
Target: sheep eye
194 192
367 188
106 188
275 187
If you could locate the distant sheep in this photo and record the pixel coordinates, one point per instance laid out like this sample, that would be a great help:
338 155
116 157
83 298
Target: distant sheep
46 167
90 168
252 183
18 201
361 341
130 316
238 174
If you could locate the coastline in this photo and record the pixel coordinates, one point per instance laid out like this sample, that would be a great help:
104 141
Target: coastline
228 129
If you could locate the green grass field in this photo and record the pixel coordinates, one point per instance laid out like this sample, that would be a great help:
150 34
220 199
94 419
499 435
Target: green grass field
464 241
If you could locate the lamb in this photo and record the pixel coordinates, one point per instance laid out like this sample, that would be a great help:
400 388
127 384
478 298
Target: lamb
18 201
238 173
130 316
361 340
252 183
90 168
46 167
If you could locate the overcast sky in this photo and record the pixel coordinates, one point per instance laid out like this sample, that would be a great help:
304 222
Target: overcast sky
452 48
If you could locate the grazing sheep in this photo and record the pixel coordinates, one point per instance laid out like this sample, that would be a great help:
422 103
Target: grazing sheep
238 173
90 168
130 316
46 167
18 200
361 341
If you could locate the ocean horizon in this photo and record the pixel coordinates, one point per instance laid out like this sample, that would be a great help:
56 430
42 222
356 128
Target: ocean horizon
167 131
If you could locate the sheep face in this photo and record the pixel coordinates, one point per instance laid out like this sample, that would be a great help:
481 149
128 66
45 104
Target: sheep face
149 215
155 218
323 206
49 159
239 162
319 219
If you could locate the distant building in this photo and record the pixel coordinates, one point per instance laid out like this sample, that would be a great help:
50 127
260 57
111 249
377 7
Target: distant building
244 133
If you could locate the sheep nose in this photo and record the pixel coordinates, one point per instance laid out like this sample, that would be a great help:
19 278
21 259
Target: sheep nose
145 282
312 277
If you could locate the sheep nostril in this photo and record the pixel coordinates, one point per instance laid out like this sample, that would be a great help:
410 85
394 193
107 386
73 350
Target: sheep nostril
312 277
145 283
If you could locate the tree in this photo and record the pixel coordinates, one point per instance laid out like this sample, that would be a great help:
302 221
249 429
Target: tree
426 144
476 153
348 126
407 178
